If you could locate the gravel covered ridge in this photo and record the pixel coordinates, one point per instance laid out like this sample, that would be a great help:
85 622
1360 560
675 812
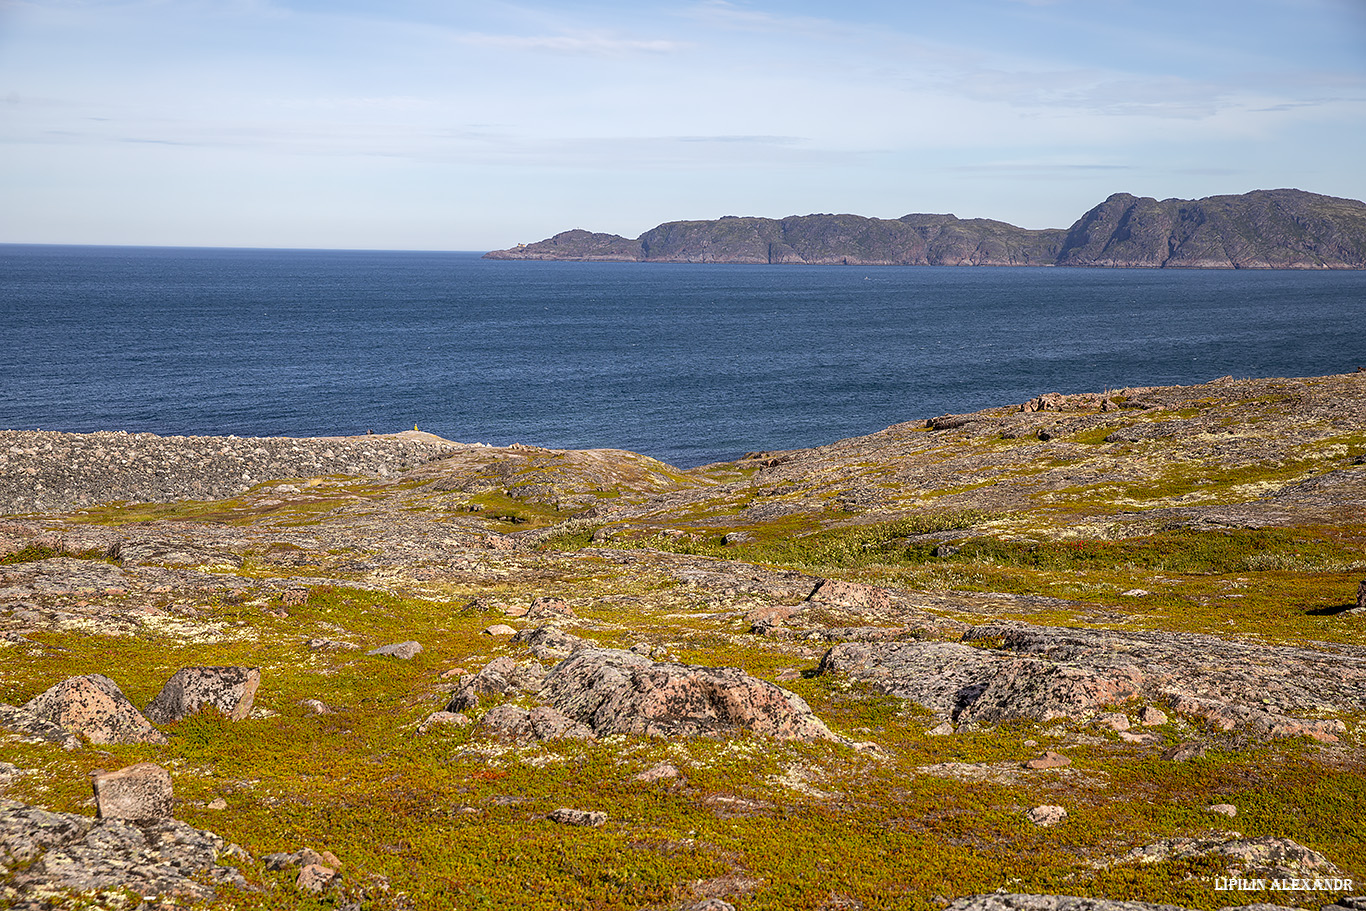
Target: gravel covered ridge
49 471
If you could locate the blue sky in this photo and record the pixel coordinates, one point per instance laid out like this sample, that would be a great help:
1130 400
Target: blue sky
417 124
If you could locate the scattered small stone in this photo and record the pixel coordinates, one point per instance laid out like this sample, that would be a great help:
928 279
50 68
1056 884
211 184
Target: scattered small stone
946 550
294 597
500 629
515 611
1223 809
593 818
1115 721
1047 815
454 672
140 793
1130 737
1152 717
230 690
316 706
218 803
1136 593
404 650
1049 760
443 719
788 674
1183 752
730 539
710 904
943 729
660 771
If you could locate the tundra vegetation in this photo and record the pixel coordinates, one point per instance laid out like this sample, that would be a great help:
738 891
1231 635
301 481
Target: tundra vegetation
1158 585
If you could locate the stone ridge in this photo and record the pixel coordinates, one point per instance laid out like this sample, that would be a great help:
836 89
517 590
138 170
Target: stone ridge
48 471
1263 229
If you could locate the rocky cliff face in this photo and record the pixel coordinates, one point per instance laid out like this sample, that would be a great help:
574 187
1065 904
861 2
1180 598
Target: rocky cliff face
1265 229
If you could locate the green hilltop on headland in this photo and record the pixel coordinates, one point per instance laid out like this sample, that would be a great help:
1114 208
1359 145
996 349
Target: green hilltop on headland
1264 229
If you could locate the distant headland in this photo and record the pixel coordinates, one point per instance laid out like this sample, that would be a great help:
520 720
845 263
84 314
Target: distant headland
1264 229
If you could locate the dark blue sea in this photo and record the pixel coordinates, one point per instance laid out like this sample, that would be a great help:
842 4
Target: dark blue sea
687 363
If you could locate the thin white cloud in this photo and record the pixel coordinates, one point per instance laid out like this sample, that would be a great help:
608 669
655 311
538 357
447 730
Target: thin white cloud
597 45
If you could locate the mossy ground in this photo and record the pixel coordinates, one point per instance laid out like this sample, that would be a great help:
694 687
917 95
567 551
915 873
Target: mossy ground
451 819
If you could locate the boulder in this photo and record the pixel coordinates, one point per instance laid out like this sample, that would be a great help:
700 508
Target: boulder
572 817
36 730
851 594
549 609
230 690
94 707
1047 815
1266 856
315 878
442 719
140 793
1049 760
405 650
548 641
500 678
618 692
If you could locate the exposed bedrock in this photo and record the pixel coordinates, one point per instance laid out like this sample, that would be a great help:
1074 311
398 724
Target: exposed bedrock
1002 672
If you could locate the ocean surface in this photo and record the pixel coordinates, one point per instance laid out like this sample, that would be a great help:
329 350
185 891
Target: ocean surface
686 363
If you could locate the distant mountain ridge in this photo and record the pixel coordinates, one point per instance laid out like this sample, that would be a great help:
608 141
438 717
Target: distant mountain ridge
1263 229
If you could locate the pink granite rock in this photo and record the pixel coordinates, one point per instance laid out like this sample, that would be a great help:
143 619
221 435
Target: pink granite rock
94 707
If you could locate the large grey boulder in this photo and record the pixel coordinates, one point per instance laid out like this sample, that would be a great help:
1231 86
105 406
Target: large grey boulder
619 692
94 707
230 690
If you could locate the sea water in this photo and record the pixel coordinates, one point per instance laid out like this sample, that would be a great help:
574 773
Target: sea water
687 363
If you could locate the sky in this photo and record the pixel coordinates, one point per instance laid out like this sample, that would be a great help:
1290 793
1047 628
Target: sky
428 125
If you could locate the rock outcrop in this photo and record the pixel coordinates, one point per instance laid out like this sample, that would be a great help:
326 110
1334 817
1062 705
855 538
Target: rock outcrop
48 851
1002 672
619 692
